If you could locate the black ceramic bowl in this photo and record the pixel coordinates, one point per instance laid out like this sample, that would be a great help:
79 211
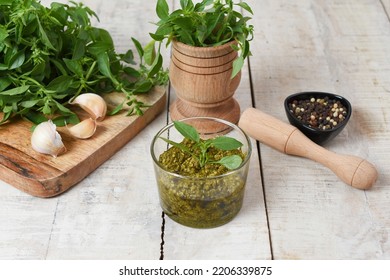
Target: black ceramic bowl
325 124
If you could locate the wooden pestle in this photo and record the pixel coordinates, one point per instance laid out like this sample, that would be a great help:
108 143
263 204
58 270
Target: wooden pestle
352 170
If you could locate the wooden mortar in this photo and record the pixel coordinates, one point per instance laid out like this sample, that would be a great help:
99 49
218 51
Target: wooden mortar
201 77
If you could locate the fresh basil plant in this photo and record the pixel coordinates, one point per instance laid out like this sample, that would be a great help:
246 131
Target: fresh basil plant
200 148
205 24
49 55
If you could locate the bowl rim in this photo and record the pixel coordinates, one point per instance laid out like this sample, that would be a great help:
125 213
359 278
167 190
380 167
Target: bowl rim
169 125
319 93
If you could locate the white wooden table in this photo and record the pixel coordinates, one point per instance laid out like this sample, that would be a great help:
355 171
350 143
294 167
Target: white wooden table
293 208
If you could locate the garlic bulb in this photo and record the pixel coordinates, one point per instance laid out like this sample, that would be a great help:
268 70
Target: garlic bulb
46 140
84 129
92 103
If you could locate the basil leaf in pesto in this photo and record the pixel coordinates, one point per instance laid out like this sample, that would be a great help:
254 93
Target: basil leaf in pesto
224 148
226 143
177 145
187 131
230 162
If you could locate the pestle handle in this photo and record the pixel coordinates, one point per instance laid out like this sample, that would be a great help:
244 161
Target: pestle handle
352 170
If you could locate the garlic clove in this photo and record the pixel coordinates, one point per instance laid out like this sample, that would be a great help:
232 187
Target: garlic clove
93 103
84 129
46 140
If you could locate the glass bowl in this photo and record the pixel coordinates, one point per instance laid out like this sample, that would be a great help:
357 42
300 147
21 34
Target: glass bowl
204 202
321 130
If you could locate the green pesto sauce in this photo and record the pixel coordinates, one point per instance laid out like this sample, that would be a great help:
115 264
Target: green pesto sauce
200 199
182 163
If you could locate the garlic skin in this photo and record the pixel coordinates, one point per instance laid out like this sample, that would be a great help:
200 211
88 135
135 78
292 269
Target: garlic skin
93 103
46 140
84 129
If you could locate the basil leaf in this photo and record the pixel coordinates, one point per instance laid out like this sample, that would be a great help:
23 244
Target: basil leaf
226 143
156 66
104 65
117 109
159 37
74 66
3 33
44 37
4 83
177 145
143 86
60 84
16 60
184 23
162 9
59 66
132 72
98 48
29 103
245 6
62 108
128 57
79 49
238 63
138 46
104 36
15 91
149 53
187 131
230 162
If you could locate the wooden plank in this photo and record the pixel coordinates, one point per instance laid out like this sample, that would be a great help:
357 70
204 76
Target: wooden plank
386 6
246 236
336 46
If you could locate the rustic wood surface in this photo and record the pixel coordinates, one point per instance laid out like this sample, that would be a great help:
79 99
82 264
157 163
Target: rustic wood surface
294 208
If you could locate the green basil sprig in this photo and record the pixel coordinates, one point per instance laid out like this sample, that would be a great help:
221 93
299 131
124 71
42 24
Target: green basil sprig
205 24
200 149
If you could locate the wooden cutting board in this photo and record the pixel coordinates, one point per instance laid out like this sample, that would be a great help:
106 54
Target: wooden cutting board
45 176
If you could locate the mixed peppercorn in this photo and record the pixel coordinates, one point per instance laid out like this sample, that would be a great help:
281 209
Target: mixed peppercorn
322 113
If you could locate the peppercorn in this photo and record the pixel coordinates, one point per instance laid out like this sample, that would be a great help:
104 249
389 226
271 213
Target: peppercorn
322 113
